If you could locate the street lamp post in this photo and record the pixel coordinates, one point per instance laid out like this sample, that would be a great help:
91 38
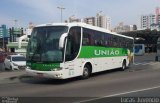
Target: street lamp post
61 9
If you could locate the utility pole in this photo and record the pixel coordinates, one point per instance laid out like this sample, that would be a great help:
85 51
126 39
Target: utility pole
61 9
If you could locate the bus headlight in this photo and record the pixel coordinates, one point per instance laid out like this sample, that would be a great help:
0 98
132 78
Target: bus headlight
56 69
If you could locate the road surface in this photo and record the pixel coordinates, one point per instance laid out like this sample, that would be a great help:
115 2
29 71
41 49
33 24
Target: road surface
140 80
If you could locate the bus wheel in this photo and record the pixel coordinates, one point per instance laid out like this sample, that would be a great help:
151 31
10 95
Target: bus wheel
124 65
86 72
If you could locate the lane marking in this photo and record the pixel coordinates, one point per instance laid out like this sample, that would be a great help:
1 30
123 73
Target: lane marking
144 63
117 94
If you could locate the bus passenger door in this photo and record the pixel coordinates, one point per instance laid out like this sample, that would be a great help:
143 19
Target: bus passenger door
69 64
72 49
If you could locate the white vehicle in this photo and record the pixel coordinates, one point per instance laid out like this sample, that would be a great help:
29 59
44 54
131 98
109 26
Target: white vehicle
139 49
15 62
67 50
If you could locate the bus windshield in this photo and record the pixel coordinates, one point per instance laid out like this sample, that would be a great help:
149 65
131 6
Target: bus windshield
43 45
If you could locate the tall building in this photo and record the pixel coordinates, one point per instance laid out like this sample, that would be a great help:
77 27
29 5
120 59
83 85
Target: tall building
157 15
147 21
103 21
100 20
157 11
1 32
124 28
4 35
90 20
109 23
4 32
156 24
74 19
151 21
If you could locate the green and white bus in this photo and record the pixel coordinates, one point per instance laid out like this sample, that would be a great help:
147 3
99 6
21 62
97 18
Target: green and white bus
66 50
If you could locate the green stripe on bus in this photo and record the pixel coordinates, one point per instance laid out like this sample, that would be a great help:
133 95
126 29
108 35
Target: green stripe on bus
43 66
97 51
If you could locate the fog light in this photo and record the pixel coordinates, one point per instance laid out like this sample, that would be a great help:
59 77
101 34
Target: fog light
56 69
28 67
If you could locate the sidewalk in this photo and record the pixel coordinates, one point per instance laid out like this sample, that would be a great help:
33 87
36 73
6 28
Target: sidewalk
146 57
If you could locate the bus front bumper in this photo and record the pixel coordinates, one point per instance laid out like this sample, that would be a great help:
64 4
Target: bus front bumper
45 74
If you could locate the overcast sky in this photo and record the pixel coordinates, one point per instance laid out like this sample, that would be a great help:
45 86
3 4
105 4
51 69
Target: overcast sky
44 11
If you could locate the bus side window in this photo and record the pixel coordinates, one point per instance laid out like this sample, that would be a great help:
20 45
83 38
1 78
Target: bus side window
87 37
85 41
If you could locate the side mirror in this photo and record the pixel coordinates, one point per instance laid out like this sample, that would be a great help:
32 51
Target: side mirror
62 40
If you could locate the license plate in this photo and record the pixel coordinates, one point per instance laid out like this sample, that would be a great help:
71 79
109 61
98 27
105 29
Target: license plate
40 74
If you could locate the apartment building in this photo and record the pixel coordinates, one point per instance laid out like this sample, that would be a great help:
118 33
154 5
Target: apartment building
151 21
100 20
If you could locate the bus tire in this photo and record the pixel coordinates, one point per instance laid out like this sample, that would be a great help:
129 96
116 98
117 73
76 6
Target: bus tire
124 65
86 72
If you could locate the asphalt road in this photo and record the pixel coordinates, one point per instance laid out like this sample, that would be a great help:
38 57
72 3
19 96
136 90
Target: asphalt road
140 80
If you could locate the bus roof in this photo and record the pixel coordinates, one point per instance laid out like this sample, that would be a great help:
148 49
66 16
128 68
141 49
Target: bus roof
85 26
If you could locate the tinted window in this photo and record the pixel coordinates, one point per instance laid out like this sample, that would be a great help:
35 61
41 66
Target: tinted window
97 38
73 43
87 36
43 45
18 58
